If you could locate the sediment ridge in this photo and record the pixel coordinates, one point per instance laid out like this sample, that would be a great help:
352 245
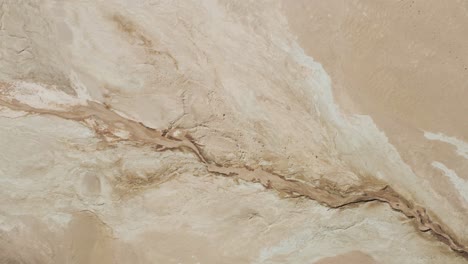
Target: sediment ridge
106 123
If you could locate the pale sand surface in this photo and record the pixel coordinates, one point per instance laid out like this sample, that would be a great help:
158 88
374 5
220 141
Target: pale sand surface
405 64
208 132
349 257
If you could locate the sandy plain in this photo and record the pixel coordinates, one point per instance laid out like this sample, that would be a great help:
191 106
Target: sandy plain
233 132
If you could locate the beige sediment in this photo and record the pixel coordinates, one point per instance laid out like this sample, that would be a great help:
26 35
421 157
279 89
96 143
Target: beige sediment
323 191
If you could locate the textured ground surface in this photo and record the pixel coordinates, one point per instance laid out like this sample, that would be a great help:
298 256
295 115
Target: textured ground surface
205 132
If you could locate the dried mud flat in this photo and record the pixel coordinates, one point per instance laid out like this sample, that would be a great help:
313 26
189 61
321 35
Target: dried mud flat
205 132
